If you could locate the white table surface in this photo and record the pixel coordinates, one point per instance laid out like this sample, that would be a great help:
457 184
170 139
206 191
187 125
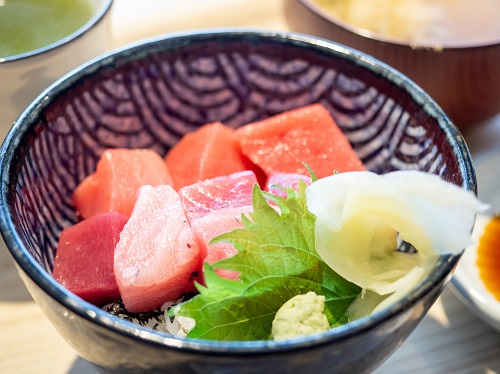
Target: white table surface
450 339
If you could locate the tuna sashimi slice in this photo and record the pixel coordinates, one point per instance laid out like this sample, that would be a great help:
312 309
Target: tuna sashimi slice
214 206
305 135
208 152
157 257
285 180
229 191
119 174
213 224
84 257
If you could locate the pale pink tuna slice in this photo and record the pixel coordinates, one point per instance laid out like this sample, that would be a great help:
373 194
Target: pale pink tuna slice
284 180
214 224
213 207
156 256
231 191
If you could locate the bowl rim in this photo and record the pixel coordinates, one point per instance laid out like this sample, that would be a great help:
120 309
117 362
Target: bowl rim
316 9
96 316
96 18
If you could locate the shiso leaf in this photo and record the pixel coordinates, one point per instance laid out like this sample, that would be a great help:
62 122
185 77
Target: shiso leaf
276 261
314 177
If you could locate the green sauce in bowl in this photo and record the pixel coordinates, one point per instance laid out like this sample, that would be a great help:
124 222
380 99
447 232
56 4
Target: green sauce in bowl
27 25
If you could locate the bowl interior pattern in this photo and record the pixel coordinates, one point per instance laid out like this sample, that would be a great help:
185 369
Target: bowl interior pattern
464 79
149 95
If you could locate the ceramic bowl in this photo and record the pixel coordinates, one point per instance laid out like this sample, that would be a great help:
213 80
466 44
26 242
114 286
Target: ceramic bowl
467 283
148 95
464 79
24 76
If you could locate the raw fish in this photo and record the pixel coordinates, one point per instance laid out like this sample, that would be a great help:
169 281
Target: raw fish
119 174
157 258
230 191
208 152
213 207
84 257
284 142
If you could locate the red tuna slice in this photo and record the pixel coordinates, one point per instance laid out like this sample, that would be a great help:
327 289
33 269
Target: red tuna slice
230 191
284 142
157 257
84 258
213 224
213 207
285 180
208 152
119 174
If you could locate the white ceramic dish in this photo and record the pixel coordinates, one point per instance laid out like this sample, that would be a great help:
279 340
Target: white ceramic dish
466 283
469 287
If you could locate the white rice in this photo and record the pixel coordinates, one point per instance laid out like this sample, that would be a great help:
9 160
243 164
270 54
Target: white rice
179 325
157 320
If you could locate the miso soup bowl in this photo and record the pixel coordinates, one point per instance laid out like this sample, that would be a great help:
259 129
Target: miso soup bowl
150 94
463 78
24 76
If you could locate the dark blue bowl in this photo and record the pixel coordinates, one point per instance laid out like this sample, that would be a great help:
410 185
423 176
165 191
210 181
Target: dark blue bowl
149 95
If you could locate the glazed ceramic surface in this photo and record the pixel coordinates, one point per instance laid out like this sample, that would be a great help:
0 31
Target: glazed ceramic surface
463 80
148 96
468 285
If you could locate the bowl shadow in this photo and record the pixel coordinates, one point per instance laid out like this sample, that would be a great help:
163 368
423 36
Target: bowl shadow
80 366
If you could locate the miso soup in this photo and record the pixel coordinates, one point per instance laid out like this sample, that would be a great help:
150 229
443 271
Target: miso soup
26 25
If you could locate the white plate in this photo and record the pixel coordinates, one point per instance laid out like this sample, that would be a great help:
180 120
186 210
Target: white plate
469 287
466 283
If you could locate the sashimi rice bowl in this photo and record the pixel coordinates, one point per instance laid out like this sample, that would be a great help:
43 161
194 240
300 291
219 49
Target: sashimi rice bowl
236 201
